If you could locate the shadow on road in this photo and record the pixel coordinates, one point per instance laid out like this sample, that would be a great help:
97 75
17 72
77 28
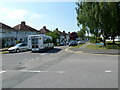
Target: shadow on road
54 50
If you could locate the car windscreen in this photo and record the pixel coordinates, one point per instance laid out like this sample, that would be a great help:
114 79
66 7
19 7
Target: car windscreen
18 44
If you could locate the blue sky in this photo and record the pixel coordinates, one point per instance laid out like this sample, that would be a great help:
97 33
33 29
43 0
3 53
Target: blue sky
61 15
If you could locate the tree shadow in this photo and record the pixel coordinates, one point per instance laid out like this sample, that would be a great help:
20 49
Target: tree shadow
54 50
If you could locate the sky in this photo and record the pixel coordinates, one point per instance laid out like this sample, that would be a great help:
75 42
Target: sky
61 15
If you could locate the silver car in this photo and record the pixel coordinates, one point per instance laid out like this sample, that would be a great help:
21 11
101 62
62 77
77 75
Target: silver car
18 47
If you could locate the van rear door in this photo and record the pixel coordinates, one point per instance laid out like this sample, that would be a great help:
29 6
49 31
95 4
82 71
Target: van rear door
35 42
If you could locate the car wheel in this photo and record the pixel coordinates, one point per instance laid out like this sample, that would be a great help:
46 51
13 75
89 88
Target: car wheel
17 50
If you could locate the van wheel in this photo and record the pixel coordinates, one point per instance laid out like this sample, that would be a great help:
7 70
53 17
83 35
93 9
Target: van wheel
17 50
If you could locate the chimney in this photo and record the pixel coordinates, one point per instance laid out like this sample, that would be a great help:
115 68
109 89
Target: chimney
23 23
44 27
56 29
69 33
63 31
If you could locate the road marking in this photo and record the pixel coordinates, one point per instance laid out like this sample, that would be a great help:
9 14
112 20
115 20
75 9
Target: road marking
31 60
37 71
26 59
37 58
2 72
108 71
34 71
43 54
60 71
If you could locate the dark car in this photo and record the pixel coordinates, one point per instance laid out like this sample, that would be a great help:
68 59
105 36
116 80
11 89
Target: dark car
72 43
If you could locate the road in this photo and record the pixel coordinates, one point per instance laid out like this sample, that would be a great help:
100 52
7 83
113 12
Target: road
59 69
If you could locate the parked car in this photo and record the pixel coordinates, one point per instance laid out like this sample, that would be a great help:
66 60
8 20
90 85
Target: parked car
81 42
18 47
72 43
62 44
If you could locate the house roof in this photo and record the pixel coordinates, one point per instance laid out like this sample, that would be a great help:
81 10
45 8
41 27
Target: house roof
44 30
2 25
59 32
24 27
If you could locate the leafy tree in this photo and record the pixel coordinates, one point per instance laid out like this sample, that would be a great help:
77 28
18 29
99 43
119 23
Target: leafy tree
82 33
73 36
54 36
102 18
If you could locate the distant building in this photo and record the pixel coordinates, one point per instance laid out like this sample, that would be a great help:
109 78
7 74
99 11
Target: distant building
23 31
44 30
64 37
7 35
73 36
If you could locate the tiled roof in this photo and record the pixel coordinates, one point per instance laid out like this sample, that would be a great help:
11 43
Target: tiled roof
44 30
5 26
24 27
59 32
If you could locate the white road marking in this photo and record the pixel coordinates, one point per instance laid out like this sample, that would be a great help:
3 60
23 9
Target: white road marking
108 71
37 58
26 59
31 60
34 71
37 71
2 72
61 72
43 54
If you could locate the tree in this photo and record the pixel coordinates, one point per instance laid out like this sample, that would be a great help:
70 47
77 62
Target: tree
82 33
73 36
100 17
54 36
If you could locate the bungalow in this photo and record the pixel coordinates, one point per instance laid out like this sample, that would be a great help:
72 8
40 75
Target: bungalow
7 35
23 31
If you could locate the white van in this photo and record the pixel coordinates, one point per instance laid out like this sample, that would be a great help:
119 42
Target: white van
39 42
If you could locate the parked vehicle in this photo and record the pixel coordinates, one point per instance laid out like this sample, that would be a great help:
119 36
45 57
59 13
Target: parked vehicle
18 47
81 42
62 44
72 43
40 42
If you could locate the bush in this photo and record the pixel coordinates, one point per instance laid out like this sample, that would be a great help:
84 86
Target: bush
18 42
99 39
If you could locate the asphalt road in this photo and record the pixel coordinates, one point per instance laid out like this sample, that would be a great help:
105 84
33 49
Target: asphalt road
59 69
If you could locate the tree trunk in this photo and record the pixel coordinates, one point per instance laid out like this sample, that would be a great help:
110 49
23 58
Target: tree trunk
113 40
104 41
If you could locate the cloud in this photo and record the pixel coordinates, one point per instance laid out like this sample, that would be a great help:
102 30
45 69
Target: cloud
18 14
34 16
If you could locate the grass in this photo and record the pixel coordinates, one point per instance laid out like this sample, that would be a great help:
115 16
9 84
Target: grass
103 47
4 52
109 45
78 46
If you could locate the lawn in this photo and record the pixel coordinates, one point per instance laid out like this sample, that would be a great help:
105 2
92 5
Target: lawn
78 46
92 46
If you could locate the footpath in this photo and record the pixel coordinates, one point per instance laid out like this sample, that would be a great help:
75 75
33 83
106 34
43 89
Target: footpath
96 51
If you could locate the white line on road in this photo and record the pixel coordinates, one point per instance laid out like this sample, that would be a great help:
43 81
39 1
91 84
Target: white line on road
43 54
108 71
26 59
2 72
36 71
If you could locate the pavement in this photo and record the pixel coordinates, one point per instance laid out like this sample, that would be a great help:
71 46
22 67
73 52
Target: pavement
96 51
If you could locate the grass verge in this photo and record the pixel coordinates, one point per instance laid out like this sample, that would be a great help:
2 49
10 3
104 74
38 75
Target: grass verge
78 46
103 47
4 52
